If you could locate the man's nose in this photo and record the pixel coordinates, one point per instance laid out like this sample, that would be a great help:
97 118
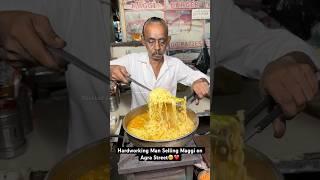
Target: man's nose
157 46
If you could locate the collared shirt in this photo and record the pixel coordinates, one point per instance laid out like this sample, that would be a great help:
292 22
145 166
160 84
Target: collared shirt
172 71
244 45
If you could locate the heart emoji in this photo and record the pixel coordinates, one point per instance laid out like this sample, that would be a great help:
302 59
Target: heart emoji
176 157
170 157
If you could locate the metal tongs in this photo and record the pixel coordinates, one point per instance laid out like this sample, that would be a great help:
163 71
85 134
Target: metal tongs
69 58
276 111
267 120
141 85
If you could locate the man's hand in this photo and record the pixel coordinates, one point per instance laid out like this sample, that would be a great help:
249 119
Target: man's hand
119 73
201 88
292 82
25 36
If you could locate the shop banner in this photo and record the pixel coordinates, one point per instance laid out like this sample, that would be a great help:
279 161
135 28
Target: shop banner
143 4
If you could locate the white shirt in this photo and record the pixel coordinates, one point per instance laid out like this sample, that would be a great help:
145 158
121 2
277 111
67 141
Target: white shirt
172 71
244 45
241 44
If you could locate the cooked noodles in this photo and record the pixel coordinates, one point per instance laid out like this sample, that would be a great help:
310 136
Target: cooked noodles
166 118
228 148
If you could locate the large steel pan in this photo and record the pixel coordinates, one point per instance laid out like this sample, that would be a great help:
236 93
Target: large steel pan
138 142
259 166
81 161
94 155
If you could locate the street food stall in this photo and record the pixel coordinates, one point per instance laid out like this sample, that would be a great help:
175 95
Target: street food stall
223 142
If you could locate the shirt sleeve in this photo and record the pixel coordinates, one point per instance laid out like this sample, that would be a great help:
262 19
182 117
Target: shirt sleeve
187 76
244 45
123 61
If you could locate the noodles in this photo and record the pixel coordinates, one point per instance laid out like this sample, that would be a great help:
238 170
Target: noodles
166 118
227 149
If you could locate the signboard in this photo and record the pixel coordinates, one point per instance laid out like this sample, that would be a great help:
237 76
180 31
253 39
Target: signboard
188 23
200 13
187 4
143 4
136 19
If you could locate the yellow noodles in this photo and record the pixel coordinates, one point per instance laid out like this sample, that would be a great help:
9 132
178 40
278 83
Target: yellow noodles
166 118
228 164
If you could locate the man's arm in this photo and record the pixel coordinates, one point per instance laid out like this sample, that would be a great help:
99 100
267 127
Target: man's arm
285 64
120 69
244 45
198 81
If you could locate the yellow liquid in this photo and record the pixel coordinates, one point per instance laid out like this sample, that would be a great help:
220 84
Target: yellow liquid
166 118
100 173
141 127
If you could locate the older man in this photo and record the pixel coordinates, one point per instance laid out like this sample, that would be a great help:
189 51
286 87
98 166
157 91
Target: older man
284 63
155 69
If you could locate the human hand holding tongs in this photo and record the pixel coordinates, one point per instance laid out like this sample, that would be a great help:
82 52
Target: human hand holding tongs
194 97
275 112
267 102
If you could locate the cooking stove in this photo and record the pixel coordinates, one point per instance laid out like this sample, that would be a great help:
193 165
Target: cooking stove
133 169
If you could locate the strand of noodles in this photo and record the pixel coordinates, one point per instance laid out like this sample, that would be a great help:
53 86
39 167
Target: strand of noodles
233 166
163 121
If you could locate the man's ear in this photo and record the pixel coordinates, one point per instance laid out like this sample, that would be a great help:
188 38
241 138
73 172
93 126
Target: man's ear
143 40
169 39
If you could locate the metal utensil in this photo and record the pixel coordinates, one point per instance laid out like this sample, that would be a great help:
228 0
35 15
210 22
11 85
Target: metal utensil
82 161
85 67
266 121
138 142
264 103
139 84
267 101
80 64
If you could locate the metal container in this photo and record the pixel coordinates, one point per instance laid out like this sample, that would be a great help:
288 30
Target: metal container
81 161
114 105
97 154
12 140
25 108
180 142
114 96
259 166
7 78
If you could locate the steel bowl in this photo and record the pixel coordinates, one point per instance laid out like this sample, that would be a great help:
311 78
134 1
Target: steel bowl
81 161
138 142
259 166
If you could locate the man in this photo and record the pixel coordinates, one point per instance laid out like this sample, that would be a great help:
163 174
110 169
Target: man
155 69
83 25
240 44
284 64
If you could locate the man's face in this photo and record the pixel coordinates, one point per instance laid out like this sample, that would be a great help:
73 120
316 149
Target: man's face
156 40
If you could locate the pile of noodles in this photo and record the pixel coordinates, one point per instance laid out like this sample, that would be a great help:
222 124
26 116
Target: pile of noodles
229 164
166 118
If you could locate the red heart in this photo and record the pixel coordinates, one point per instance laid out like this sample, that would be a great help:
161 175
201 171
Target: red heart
176 157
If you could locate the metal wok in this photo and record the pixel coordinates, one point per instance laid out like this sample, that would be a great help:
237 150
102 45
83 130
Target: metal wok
138 142
81 161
